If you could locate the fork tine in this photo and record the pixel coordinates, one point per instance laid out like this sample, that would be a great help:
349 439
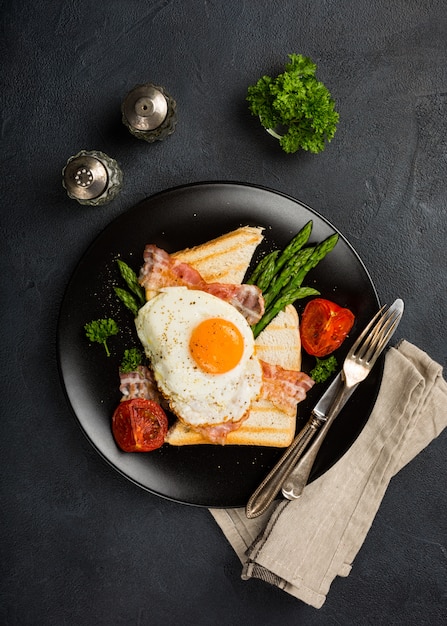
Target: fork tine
375 340
365 331
387 331
385 323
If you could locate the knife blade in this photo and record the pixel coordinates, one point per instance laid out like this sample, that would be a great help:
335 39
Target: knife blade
324 403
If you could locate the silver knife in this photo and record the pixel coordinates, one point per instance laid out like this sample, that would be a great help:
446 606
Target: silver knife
325 414
286 466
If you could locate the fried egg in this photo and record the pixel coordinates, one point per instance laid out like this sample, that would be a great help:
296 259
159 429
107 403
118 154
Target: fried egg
202 353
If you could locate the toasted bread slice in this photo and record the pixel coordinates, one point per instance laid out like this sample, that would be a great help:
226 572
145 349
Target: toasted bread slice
279 344
226 258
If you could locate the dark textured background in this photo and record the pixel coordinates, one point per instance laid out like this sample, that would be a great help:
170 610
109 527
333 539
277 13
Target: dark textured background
80 545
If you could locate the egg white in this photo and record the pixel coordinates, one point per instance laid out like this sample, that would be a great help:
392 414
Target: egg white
164 326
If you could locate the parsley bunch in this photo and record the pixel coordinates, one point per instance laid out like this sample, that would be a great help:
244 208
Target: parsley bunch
298 103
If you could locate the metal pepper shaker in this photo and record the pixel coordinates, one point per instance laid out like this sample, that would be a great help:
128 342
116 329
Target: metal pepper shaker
149 112
92 177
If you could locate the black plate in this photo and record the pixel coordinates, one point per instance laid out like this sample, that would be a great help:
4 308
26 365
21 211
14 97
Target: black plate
204 475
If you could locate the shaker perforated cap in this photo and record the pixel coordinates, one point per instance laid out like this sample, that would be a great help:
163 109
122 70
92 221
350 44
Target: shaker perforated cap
145 107
85 177
92 177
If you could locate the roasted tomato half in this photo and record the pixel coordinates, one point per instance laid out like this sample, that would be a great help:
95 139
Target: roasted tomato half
324 326
139 425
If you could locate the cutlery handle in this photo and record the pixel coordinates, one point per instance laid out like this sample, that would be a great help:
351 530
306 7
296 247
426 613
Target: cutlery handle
296 480
267 490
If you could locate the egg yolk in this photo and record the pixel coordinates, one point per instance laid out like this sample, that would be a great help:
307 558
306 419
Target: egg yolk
216 345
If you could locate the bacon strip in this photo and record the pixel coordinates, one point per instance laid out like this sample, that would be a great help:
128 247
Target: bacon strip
140 384
218 432
247 299
161 270
284 388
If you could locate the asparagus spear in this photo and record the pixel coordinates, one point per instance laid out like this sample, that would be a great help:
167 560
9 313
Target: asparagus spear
272 263
280 304
287 274
264 271
131 281
127 299
294 246
318 254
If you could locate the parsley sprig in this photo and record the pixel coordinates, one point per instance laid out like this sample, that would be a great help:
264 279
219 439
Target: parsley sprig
100 330
298 103
324 368
132 359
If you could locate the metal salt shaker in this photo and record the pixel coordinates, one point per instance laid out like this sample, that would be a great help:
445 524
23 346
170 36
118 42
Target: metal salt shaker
149 112
92 177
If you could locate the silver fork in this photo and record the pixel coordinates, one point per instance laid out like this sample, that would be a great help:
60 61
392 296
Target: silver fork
356 367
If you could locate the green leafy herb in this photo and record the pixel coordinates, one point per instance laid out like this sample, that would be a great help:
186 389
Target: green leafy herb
131 360
324 368
135 298
297 103
100 330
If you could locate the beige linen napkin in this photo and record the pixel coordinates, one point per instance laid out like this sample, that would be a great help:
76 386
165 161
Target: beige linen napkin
301 546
